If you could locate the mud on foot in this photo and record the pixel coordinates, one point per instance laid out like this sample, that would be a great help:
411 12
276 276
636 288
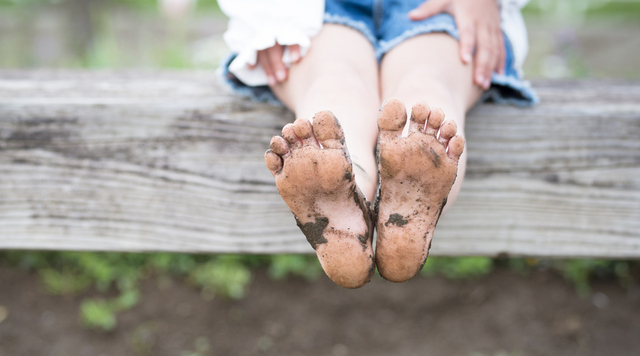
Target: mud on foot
314 176
416 175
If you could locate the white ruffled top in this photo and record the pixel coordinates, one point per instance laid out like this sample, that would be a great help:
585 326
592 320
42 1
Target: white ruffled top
255 25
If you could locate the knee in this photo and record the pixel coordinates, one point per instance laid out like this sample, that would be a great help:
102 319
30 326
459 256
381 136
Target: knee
334 79
422 83
422 79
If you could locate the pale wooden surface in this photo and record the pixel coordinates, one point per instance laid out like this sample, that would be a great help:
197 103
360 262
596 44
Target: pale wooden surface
170 161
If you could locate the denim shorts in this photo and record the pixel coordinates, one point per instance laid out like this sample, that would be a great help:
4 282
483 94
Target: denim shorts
385 23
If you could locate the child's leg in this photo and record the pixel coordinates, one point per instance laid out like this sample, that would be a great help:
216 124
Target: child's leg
340 74
316 181
417 172
428 67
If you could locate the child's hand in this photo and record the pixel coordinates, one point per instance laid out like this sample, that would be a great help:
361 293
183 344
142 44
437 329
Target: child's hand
271 61
478 23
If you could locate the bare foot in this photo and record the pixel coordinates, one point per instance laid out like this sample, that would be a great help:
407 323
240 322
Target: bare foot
314 176
416 175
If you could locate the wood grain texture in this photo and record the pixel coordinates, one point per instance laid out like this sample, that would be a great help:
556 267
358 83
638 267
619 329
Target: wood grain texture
170 161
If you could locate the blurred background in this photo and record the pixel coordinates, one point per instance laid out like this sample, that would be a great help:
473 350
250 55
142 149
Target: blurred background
568 38
86 303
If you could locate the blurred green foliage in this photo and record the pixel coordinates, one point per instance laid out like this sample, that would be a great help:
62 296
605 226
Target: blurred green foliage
458 267
624 8
72 273
69 273
133 4
229 276
64 282
101 34
225 276
581 271
202 348
306 266
98 314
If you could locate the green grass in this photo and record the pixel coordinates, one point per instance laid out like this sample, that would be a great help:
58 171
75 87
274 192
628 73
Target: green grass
626 8
229 276
224 276
458 267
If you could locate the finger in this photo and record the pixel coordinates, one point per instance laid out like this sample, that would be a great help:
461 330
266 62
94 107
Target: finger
494 53
275 57
428 9
494 59
294 52
467 31
502 55
265 62
484 62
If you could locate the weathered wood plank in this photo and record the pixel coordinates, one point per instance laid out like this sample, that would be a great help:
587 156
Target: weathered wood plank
150 161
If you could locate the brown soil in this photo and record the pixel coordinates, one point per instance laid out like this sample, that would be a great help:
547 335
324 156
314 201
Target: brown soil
539 314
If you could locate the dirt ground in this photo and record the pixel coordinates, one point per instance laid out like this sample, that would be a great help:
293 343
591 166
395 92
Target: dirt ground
503 313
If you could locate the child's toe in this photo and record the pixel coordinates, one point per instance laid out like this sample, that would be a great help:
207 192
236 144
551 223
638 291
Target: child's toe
456 147
273 162
289 134
419 116
447 131
327 130
436 118
279 146
303 129
393 117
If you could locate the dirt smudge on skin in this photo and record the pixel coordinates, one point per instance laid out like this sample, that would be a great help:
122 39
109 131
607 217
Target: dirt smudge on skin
372 269
313 231
444 202
365 207
396 219
434 157
347 175
431 153
363 242
386 168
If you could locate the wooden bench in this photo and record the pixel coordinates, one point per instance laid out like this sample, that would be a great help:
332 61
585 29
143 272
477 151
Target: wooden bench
170 161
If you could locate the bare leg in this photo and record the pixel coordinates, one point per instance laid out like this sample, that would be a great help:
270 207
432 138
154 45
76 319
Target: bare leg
428 68
311 163
340 74
418 172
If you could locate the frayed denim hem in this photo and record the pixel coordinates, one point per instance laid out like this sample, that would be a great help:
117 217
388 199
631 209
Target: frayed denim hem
504 89
523 94
356 25
262 93
386 46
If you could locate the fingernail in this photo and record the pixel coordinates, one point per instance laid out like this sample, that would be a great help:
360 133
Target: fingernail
466 57
295 56
281 75
480 79
487 83
414 13
271 80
